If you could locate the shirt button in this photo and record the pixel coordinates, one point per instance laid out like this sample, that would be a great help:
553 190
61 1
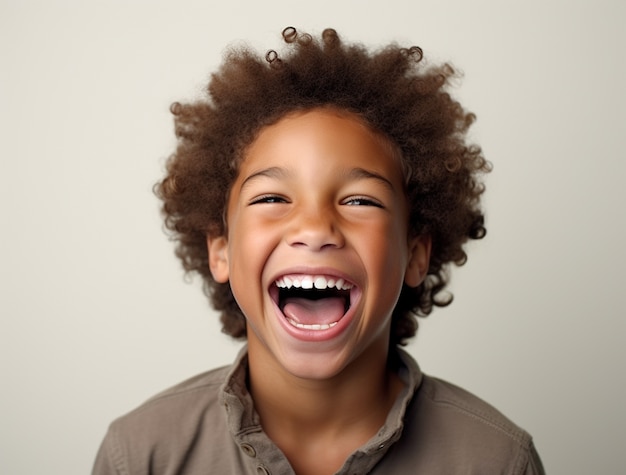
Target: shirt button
248 450
261 470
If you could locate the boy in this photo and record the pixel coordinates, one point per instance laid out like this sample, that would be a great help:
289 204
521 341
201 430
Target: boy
321 196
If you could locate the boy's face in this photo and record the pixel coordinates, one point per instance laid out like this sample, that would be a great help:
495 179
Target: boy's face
319 202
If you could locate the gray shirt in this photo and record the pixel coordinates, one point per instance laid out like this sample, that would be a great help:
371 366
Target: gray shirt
208 425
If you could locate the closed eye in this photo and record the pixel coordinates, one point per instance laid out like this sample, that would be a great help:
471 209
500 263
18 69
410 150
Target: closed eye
270 199
362 201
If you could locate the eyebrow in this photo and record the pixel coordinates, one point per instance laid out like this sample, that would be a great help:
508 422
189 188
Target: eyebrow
353 174
362 173
271 172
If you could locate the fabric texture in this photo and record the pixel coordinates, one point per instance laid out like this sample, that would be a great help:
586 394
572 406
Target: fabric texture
207 425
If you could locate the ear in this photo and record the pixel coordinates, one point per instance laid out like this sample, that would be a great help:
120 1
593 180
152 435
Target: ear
218 258
419 258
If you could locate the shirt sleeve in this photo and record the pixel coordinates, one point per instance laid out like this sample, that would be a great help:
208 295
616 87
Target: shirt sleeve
534 466
105 462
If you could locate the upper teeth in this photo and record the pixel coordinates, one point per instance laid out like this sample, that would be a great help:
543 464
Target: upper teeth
312 281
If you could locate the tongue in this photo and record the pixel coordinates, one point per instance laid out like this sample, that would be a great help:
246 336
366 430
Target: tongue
310 312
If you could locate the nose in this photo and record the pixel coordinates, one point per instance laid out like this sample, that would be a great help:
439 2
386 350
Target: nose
315 229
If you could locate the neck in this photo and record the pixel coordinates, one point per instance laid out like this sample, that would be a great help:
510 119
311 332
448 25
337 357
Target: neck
356 400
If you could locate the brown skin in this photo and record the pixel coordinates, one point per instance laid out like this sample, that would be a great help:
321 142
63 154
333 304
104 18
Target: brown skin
391 89
330 395
333 417
322 193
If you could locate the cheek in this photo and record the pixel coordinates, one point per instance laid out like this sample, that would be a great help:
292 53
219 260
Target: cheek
388 251
252 241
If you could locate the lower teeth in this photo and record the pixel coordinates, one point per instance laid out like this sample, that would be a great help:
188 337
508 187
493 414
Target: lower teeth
315 326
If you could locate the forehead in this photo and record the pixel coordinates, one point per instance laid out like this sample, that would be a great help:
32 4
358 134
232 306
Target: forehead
338 137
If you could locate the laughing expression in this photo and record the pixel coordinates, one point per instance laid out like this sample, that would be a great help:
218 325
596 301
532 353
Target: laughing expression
317 248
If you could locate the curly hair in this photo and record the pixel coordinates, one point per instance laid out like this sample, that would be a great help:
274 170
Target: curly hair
391 89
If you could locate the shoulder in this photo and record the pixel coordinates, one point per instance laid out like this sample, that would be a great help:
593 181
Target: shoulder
450 402
208 381
165 430
190 397
447 427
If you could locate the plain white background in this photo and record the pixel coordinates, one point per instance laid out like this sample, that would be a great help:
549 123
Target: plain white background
96 316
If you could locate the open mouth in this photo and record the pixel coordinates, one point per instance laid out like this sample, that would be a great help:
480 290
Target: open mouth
313 302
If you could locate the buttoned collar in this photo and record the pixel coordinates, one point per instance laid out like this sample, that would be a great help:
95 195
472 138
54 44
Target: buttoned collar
245 425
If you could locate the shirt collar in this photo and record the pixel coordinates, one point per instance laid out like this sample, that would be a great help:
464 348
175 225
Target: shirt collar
242 417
